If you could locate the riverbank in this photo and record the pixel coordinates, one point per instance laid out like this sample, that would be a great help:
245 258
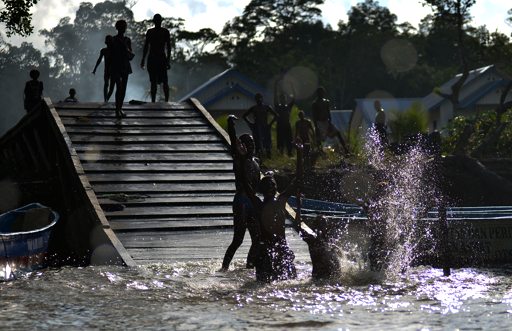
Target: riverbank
468 181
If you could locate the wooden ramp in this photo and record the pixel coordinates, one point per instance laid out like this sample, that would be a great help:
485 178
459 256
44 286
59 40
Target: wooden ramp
164 167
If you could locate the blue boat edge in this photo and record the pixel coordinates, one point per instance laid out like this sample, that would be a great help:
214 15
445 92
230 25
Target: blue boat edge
24 251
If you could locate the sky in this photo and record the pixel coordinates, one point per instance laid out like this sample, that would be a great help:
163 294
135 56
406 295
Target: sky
215 13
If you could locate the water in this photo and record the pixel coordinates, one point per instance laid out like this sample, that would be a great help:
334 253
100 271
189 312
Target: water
194 296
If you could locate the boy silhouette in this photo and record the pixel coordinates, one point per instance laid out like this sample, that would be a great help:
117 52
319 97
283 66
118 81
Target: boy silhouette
108 82
157 42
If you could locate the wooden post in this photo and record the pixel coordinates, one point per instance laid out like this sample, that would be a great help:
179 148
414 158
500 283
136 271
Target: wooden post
445 238
442 218
299 172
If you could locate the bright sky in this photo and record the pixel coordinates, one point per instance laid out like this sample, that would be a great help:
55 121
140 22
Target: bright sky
215 13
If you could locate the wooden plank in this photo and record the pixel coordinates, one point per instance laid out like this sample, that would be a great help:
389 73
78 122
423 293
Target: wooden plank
126 106
151 148
155 138
158 167
120 177
164 188
148 130
209 245
158 239
148 158
197 238
166 255
150 256
108 113
96 122
175 195
170 224
142 200
171 211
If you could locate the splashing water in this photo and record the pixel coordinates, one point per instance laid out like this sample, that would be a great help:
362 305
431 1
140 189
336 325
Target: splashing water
406 190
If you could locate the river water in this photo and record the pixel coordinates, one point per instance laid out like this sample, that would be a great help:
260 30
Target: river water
195 296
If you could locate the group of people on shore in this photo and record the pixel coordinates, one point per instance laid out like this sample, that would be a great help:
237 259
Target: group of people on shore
261 117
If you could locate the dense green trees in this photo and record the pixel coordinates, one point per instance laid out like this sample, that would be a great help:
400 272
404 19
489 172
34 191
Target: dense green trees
369 54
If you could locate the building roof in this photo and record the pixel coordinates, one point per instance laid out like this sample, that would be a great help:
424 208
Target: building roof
229 73
226 91
433 100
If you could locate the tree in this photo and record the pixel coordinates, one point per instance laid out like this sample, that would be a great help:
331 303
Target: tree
369 17
272 36
270 17
493 134
361 39
457 14
16 16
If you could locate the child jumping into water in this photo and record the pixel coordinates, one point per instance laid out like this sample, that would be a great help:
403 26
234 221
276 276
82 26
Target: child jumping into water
323 250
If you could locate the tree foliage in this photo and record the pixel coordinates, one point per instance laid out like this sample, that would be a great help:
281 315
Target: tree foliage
455 14
15 14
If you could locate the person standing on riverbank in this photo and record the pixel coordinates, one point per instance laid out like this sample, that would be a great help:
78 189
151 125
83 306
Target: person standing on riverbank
380 123
158 44
260 125
283 108
247 169
304 133
321 109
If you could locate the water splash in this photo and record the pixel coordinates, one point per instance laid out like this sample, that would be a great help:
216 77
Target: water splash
405 191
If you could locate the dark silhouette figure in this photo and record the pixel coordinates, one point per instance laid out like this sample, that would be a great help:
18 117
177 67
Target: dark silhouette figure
284 128
304 129
33 92
247 169
275 256
260 126
158 40
72 96
108 82
121 56
375 209
380 123
323 250
322 119
304 133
